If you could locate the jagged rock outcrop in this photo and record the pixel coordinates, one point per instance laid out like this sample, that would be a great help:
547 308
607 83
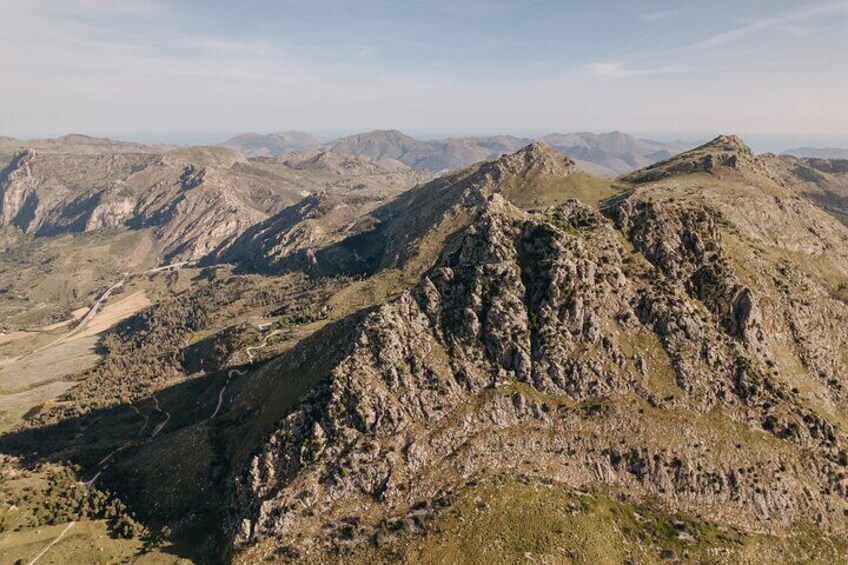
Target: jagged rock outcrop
96 209
19 206
412 228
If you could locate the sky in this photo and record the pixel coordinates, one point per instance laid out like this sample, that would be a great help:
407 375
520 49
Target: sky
773 71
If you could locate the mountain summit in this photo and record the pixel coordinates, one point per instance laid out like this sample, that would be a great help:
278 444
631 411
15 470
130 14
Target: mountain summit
725 151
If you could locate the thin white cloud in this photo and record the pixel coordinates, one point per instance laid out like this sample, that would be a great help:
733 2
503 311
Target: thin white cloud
99 67
614 70
659 16
611 70
787 22
367 52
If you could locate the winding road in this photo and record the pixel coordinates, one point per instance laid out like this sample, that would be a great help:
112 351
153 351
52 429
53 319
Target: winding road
232 372
103 464
239 372
103 298
260 346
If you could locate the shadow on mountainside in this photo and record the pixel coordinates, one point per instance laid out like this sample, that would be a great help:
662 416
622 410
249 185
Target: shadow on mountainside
170 457
162 456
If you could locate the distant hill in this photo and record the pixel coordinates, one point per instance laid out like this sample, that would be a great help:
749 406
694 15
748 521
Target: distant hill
818 152
272 144
436 156
613 153
78 144
824 181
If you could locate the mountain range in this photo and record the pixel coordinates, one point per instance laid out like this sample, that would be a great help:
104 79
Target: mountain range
513 360
606 154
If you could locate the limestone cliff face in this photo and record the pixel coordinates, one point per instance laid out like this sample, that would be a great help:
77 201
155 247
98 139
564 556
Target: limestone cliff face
195 214
22 205
640 348
95 209
318 220
195 200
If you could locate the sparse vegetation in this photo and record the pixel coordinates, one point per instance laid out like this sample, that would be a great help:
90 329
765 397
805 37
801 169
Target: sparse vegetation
50 494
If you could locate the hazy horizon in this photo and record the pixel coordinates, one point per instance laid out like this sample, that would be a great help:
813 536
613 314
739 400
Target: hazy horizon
759 143
774 72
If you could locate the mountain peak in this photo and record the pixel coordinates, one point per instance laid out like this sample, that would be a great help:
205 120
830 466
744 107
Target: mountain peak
725 151
726 143
537 156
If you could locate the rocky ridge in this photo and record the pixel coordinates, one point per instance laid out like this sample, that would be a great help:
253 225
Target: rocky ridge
723 152
195 200
672 341
641 348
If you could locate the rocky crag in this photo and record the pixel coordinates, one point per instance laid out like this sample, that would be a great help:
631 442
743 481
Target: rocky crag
667 344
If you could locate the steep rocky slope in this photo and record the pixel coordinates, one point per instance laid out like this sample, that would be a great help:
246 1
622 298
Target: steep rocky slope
677 345
722 153
349 189
409 232
317 221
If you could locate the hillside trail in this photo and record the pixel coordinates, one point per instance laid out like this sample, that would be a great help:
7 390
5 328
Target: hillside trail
239 372
162 425
104 463
52 543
